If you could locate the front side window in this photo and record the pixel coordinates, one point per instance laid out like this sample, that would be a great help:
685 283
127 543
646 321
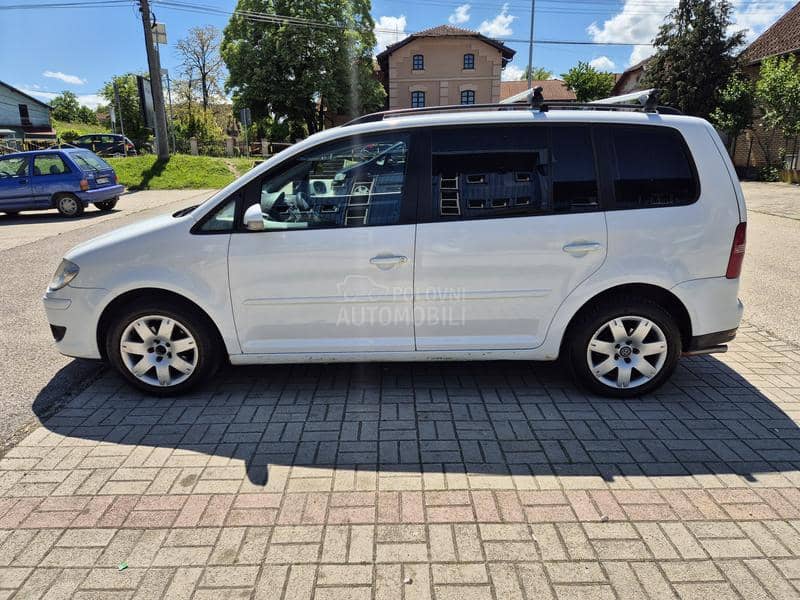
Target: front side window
488 172
417 99
49 164
418 62
651 168
13 167
469 61
354 183
468 97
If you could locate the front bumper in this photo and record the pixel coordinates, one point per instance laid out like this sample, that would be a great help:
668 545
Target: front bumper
101 194
73 315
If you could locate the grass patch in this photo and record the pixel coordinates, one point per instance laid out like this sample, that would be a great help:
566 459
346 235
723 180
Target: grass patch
81 128
180 172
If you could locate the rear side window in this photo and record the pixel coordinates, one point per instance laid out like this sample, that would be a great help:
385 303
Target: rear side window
574 178
651 167
49 164
489 172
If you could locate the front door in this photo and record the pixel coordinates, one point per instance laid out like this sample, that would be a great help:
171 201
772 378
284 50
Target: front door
15 188
332 271
514 225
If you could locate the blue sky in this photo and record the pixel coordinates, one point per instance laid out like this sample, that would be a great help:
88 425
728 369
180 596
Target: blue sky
49 50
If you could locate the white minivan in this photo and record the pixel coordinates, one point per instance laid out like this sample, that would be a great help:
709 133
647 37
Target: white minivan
611 237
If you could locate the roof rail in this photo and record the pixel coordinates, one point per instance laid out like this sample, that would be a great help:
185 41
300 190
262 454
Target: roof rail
536 102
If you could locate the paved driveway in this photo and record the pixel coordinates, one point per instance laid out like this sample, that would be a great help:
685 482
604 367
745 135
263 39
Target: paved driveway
412 481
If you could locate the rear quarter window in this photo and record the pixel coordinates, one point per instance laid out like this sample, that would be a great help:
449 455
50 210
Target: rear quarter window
651 167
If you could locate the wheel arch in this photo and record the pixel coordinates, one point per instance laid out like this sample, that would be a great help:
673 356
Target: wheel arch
669 301
149 294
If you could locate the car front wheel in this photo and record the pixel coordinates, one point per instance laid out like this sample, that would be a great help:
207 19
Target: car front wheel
624 348
69 205
107 205
163 349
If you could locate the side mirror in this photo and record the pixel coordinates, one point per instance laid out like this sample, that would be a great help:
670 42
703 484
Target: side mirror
253 219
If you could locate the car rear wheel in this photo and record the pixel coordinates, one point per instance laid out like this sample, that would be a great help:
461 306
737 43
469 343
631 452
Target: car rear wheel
107 205
624 347
69 205
163 349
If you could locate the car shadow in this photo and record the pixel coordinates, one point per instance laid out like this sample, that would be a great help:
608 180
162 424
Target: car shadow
494 418
51 216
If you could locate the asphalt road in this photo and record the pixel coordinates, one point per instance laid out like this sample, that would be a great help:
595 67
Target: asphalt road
32 245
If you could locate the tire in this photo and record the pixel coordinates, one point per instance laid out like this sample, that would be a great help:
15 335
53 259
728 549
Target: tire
138 326
107 205
618 350
68 205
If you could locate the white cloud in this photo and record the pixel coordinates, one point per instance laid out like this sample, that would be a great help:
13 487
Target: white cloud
460 15
512 73
90 100
602 63
499 26
634 25
755 18
389 30
66 78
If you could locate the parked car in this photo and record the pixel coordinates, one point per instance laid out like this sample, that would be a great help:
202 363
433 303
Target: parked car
65 179
613 239
106 144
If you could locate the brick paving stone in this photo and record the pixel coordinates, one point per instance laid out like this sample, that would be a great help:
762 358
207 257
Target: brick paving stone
416 481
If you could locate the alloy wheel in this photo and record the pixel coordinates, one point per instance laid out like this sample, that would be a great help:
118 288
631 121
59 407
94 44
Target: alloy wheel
627 352
159 350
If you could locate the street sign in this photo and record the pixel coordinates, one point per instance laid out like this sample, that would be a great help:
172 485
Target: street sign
245 118
160 34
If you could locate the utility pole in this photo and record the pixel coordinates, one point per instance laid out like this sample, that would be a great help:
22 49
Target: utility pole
119 112
530 45
154 67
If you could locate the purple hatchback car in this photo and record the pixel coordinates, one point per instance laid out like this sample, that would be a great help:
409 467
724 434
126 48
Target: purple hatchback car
68 179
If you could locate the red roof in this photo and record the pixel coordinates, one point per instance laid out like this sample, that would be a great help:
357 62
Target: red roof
782 38
552 89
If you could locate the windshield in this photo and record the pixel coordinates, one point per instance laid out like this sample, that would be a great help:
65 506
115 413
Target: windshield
90 162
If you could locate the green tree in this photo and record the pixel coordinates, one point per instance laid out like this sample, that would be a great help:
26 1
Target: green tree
695 57
539 74
588 83
302 72
87 115
129 101
734 111
65 106
778 98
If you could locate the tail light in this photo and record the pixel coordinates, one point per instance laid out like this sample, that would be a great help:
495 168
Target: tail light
113 178
737 252
84 185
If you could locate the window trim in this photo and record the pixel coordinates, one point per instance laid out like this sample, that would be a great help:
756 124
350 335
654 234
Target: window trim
604 134
414 66
424 99
472 60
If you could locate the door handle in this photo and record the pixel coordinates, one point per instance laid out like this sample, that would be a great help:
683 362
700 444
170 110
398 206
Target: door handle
582 248
387 261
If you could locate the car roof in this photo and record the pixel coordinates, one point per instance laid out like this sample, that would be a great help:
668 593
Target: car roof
46 151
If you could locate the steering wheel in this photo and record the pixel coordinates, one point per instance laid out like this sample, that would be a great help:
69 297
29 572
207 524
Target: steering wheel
273 213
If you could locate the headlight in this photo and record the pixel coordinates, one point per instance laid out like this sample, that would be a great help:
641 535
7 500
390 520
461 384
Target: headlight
66 272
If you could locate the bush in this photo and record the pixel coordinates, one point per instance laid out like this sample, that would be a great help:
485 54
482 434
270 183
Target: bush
769 174
69 135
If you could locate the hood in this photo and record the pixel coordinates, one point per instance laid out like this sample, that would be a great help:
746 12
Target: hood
143 232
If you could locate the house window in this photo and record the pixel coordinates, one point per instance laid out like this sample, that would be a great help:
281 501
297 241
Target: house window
468 97
469 61
417 99
24 117
418 62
